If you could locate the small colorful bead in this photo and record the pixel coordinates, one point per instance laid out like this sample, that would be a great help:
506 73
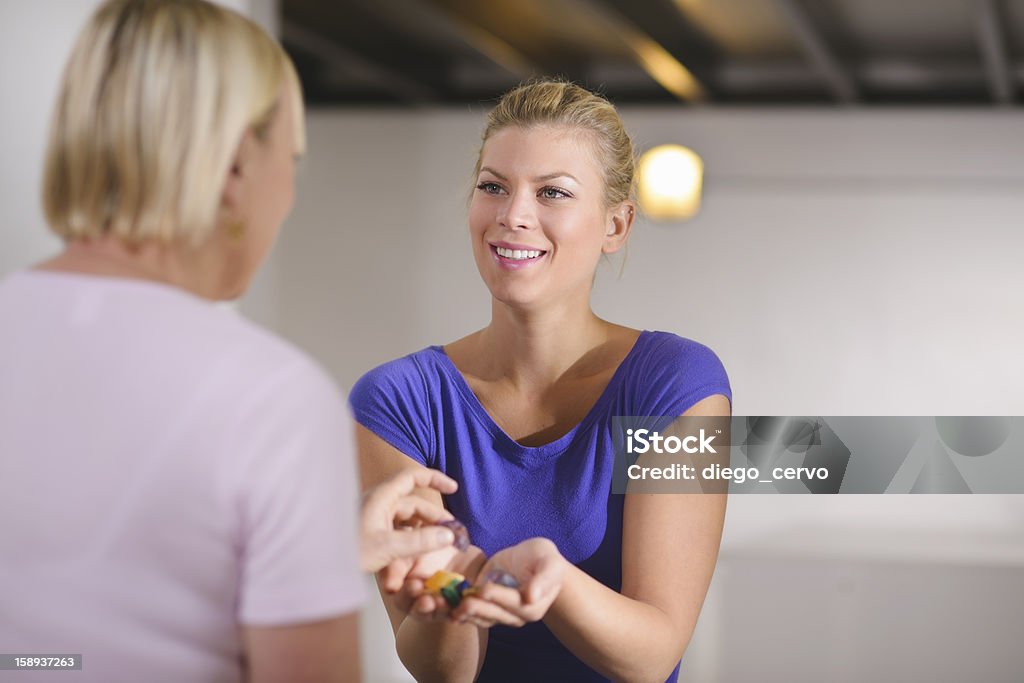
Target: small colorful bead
500 577
460 531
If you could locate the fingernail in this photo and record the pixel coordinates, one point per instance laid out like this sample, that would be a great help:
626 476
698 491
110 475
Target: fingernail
445 536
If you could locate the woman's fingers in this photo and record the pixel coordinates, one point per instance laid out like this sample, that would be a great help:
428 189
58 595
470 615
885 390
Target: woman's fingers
484 613
506 598
436 480
417 509
392 504
393 576
424 605
546 579
408 480
388 495
411 543
429 608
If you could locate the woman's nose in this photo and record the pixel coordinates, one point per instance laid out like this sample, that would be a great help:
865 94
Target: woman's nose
518 212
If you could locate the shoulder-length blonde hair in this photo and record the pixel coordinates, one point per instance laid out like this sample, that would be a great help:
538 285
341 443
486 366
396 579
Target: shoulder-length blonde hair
154 101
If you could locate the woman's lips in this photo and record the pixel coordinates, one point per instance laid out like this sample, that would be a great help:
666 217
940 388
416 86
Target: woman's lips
514 257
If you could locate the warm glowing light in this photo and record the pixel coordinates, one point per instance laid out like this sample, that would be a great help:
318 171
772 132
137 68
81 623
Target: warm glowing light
668 72
670 181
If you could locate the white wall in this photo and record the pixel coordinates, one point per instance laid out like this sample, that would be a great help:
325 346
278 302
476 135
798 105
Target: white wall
35 39
844 263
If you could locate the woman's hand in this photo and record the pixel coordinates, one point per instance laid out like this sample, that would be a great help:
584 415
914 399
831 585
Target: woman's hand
408 594
537 566
393 519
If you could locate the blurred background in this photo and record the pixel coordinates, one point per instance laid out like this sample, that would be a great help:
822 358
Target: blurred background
857 251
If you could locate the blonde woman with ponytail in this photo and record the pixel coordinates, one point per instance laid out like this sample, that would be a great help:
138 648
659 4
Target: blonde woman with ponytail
520 414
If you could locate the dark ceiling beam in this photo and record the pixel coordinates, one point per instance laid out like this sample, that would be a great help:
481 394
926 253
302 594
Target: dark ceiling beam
356 66
669 23
993 51
838 79
878 75
660 64
493 49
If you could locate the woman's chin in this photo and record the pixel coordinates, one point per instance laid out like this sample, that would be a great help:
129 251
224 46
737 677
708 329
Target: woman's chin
516 297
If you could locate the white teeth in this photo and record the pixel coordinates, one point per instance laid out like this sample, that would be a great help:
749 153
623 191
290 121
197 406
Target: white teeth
518 254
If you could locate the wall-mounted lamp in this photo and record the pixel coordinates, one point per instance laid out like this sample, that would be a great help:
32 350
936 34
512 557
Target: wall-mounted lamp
670 179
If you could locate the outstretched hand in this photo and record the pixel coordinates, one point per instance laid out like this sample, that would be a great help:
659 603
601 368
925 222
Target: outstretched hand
395 523
405 584
537 566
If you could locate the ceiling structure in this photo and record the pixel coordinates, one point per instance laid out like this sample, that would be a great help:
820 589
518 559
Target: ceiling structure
697 52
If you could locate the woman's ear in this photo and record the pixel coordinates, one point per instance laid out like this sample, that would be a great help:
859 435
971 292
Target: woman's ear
620 222
236 192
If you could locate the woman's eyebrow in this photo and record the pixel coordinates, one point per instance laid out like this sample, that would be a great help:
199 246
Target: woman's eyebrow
492 172
546 176
557 174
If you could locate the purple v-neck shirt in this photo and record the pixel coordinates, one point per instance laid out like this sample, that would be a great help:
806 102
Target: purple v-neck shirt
422 405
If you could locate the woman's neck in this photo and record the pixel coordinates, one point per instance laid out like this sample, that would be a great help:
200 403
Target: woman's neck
536 348
110 257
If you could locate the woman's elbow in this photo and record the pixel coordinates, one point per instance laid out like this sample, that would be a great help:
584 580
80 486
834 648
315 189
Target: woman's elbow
658 667
437 670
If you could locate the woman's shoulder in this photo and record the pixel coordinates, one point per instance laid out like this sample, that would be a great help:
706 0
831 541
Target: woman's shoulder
191 337
249 358
395 401
669 373
410 376
661 348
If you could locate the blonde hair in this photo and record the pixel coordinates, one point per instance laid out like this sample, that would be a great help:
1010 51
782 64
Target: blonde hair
154 101
564 104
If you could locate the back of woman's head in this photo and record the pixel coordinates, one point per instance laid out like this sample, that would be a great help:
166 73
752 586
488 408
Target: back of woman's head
566 105
155 99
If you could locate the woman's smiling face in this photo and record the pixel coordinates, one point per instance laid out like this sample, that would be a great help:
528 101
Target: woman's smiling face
538 219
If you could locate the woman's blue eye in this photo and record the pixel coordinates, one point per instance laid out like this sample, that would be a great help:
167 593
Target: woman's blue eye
553 193
489 188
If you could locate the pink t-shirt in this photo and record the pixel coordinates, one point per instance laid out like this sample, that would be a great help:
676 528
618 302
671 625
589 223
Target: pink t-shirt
167 471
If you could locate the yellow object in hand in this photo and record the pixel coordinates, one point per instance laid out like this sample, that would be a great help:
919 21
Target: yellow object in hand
448 585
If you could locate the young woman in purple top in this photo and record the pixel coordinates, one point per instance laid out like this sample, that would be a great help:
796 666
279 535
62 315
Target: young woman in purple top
519 413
